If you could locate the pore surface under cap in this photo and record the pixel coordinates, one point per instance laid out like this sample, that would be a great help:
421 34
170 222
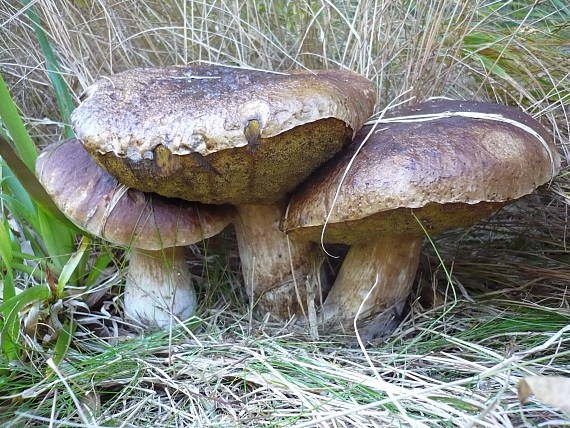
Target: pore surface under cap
97 203
441 166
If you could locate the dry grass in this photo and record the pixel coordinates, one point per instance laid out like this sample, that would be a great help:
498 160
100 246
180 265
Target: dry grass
457 357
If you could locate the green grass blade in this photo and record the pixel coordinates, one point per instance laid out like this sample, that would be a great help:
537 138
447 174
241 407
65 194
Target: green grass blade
57 239
100 264
11 327
63 342
6 250
71 265
29 182
63 95
13 122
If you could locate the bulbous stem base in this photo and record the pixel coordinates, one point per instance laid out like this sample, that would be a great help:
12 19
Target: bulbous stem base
158 286
375 279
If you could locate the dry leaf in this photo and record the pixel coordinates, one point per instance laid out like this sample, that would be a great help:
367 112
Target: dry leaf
91 402
551 390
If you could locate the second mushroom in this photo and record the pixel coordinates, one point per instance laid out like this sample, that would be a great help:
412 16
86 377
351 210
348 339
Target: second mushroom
456 163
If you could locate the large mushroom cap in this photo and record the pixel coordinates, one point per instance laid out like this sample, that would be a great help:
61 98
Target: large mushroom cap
452 171
97 203
158 129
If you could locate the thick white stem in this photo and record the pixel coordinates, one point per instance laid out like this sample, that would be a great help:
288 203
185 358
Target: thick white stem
268 261
375 278
158 285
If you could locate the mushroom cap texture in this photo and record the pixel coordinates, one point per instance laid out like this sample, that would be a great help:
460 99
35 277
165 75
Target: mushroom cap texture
97 203
203 109
453 171
159 129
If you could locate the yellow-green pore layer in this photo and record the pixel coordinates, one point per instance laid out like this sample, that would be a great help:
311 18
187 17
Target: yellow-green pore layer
434 218
235 175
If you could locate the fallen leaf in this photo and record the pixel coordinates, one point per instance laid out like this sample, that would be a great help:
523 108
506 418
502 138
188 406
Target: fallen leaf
551 390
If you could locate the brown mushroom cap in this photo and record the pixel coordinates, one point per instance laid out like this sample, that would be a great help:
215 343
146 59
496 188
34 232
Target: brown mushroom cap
158 129
97 203
452 171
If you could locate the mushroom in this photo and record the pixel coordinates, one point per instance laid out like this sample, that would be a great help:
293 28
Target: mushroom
155 228
436 166
226 135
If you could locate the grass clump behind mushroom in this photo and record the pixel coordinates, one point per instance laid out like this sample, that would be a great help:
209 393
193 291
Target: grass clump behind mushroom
500 308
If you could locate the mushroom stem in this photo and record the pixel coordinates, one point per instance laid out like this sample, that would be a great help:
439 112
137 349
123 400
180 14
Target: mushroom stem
268 261
386 269
158 286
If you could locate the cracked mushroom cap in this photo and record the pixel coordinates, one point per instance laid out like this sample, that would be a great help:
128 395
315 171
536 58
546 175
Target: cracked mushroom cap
238 135
458 164
97 203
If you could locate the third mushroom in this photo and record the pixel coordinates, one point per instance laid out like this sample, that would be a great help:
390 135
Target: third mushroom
156 230
436 166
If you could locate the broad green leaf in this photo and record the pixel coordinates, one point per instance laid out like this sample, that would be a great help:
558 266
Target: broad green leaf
21 205
8 288
9 346
28 180
35 293
36 272
493 67
57 238
11 184
5 246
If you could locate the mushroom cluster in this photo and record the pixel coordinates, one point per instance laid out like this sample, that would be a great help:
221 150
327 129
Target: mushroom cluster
207 135
167 157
